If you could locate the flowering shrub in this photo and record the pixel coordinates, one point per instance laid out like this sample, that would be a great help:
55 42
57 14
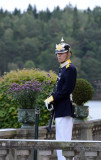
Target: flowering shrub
26 93
9 106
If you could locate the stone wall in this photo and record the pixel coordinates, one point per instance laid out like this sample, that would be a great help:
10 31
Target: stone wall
23 149
82 130
19 144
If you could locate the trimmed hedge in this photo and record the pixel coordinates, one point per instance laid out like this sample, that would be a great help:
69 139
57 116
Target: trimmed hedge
8 107
83 92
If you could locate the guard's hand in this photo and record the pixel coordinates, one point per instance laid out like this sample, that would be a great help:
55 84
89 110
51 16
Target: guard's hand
49 99
49 104
50 107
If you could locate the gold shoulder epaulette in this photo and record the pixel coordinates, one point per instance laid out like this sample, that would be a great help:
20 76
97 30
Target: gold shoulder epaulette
67 65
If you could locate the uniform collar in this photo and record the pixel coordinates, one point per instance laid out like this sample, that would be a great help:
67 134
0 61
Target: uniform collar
65 63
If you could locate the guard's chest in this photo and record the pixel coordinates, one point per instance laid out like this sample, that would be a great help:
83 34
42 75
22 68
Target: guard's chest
60 76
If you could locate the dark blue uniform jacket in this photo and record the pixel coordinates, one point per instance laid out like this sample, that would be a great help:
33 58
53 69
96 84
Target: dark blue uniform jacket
64 87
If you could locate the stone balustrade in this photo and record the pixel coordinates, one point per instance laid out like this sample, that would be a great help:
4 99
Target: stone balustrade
82 130
23 149
18 144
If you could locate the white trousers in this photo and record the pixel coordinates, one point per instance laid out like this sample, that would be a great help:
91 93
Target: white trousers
64 126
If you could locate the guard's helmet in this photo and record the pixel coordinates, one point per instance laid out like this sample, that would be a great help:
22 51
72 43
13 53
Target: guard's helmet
62 47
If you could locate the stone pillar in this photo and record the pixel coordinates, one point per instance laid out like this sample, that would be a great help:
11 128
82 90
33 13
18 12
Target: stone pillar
3 154
86 155
68 155
99 155
79 155
45 154
22 154
86 131
11 154
91 155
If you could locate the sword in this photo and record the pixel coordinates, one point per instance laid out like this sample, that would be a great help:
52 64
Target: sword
50 121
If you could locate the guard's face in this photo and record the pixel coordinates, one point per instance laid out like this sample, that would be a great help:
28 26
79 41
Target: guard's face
62 57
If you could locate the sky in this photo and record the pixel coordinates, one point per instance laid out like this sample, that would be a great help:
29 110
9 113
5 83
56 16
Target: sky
10 5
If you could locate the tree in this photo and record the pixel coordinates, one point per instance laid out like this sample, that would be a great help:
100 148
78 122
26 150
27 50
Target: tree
97 15
29 64
16 12
45 15
12 66
30 8
57 12
35 12
76 23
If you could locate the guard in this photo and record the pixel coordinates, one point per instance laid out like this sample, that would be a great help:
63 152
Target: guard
61 99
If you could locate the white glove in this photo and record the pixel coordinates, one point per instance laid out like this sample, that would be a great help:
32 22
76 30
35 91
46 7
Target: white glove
48 103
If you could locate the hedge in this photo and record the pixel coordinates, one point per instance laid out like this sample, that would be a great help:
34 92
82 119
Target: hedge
83 92
8 107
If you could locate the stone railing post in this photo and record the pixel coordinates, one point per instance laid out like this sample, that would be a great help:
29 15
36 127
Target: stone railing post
86 131
74 155
22 154
3 154
68 155
45 155
91 155
98 155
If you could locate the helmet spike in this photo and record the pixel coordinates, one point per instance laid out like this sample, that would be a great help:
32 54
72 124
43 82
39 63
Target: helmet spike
62 40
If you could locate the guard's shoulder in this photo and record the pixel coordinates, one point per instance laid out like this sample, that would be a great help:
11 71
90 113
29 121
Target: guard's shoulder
68 65
71 66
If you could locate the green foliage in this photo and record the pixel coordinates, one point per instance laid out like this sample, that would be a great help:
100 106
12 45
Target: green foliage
32 36
12 66
29 64
83 92
76 25
8 106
